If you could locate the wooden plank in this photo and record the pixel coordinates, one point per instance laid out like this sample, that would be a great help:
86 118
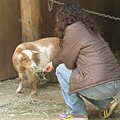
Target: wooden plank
10 36
2 42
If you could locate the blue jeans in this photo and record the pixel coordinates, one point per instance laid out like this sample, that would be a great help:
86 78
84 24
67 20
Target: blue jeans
100 95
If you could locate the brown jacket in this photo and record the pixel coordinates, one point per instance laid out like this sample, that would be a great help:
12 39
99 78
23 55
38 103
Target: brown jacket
90 58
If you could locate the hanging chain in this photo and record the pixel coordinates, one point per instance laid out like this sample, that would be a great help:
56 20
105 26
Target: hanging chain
103 15
52 2
50 5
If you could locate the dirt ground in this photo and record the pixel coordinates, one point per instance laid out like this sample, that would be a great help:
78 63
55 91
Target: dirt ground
47 104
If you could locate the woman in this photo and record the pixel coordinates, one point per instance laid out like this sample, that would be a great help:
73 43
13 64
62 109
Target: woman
86 66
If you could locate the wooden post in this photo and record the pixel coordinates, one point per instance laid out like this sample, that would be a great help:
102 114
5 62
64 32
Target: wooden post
31 20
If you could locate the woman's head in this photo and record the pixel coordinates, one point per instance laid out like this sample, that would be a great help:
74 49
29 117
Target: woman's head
69 14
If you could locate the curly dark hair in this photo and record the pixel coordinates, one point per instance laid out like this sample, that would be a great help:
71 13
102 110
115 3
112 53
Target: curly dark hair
69 14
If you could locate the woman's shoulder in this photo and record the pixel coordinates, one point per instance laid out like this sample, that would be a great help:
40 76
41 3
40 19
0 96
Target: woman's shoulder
78 23
74 25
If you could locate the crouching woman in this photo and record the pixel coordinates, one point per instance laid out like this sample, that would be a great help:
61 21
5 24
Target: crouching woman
86 66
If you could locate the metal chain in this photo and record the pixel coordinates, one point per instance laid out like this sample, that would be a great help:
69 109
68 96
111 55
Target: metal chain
50 5
52 2
103 15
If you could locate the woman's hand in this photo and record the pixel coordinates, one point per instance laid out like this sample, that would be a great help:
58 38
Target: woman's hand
48 68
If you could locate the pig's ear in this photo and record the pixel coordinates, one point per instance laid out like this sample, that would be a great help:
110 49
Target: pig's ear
19 57
35 52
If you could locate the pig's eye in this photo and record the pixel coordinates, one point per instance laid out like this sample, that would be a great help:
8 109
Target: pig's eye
24 58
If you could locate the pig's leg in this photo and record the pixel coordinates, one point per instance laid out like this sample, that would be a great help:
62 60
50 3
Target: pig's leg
20 83
32 79
34 88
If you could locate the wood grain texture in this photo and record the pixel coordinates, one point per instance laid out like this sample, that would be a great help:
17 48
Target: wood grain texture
31 19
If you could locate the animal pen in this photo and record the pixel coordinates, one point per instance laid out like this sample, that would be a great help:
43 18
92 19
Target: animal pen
29 20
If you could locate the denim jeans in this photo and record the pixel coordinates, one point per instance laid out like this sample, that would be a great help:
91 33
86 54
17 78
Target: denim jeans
100 95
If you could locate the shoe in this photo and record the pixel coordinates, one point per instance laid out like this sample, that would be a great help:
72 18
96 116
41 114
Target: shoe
111 108
67 116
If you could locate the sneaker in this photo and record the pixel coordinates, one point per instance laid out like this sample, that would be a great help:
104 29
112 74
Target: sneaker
111 108
67 116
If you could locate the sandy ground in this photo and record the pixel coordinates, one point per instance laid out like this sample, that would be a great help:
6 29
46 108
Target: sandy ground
47 104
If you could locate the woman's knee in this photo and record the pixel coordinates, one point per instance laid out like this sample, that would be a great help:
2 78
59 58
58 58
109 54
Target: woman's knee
60 67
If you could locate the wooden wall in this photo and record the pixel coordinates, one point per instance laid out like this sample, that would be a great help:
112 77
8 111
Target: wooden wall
10 35
11 32
110 28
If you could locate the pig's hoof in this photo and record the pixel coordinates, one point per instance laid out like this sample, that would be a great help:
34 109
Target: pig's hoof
18 91
33 92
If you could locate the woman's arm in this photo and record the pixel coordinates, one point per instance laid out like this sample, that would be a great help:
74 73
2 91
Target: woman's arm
71 47
70 50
